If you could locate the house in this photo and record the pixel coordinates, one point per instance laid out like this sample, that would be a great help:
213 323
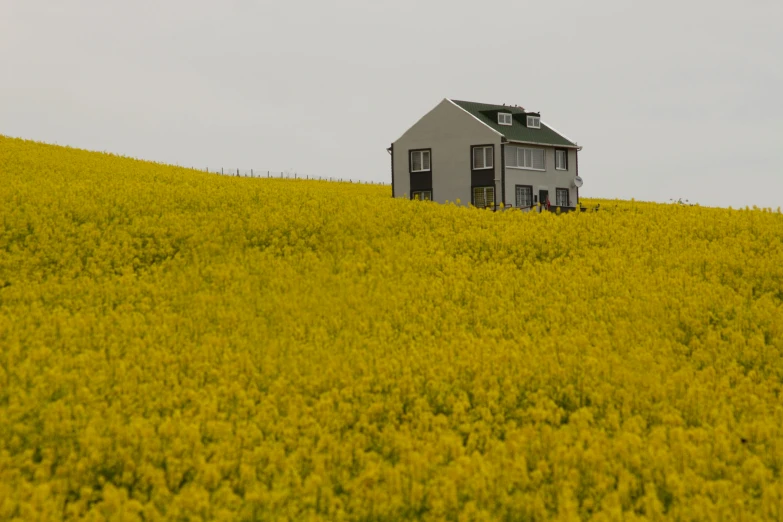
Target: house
487 155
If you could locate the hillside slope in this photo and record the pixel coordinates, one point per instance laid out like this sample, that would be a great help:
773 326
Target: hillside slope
179 345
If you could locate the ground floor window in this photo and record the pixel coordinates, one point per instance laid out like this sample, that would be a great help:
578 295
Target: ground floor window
422 195
561 197
524 196
484 196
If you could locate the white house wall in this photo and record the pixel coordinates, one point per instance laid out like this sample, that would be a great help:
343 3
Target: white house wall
549 179
450 132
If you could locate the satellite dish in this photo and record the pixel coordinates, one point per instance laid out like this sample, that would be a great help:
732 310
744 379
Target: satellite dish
578 182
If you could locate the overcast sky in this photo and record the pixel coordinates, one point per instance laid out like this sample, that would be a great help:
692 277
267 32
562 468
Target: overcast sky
669 99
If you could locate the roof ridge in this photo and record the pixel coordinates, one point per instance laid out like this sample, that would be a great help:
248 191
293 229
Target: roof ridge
499 106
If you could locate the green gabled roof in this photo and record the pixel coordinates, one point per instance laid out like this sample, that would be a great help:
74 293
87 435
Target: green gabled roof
518 130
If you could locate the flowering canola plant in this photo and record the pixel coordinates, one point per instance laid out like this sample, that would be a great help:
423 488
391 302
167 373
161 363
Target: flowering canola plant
176 345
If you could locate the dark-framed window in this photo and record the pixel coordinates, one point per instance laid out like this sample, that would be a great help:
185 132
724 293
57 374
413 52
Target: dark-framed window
561 159
561 197
484 196
524 196
483 157
421 160
422 195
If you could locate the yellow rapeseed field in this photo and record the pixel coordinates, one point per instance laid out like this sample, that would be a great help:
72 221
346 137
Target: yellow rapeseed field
176 345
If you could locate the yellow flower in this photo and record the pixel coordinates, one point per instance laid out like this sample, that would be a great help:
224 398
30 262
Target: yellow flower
179 345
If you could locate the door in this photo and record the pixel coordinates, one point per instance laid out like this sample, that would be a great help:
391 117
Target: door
542 196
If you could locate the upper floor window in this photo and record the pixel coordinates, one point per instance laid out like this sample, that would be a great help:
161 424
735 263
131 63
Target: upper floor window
482 157
561 159
524 158
534 122
504 118
420 160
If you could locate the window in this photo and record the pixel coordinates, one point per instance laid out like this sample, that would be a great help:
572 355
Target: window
504 118
484 196
561 197
422 195
534 122
561 159
524 196
524 158
420 160
482 157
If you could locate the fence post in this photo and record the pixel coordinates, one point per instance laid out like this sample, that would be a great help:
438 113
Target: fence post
221 170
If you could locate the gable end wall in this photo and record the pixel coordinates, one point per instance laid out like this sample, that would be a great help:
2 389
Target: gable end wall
449 132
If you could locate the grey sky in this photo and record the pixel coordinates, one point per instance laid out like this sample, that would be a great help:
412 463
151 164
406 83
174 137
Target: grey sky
669 99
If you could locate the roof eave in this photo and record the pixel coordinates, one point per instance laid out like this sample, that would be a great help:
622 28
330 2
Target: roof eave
572 146
474 117
558 132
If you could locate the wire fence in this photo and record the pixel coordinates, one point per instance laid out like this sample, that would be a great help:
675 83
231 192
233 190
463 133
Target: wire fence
255 173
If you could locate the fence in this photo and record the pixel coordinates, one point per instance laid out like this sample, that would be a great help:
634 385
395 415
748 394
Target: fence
253 173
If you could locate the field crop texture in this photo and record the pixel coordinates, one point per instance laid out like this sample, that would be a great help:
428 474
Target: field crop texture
176 345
